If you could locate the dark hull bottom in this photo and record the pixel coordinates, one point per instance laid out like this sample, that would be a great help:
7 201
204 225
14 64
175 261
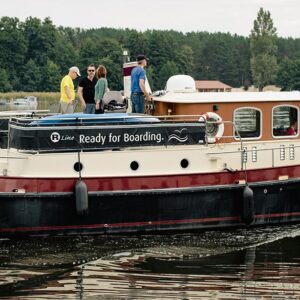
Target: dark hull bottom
148 211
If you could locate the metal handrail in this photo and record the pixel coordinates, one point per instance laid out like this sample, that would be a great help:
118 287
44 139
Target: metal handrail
243 163
243 150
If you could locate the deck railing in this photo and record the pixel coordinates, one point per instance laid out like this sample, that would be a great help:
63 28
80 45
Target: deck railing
27 118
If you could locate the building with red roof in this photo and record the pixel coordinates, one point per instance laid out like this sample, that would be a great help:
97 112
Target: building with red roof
212 86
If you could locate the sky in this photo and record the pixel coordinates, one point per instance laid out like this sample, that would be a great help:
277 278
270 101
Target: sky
233 16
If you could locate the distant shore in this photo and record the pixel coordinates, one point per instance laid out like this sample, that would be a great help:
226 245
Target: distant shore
50 97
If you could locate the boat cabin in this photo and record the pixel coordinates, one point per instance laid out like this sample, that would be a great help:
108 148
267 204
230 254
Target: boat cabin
250 115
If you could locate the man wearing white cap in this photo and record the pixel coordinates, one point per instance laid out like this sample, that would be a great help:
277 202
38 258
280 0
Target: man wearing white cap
67 92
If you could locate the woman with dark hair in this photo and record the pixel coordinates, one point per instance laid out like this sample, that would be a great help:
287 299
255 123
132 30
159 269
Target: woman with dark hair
100 89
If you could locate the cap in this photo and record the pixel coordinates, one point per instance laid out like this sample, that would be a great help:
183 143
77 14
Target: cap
141 57
76 70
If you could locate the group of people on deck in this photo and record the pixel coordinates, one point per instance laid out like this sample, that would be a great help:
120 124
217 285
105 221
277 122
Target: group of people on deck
91 90
92 87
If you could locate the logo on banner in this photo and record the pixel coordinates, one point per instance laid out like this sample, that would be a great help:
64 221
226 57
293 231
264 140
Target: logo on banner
179 135
55 137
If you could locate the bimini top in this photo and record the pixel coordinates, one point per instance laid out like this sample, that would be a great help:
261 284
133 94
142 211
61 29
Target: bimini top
92 119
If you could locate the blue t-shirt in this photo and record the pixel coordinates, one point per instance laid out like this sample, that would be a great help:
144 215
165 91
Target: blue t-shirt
136 74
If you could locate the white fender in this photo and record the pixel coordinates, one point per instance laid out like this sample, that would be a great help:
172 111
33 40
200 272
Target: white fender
213 117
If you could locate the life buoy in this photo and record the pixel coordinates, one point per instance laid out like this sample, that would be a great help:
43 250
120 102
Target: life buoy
213 137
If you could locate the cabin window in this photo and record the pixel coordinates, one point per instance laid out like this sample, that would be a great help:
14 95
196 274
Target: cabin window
248 122
285 121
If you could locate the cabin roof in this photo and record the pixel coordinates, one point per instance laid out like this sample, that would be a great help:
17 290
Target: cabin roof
215 97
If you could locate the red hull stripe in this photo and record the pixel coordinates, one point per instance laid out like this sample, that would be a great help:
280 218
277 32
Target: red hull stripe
62 185
291 214
141 224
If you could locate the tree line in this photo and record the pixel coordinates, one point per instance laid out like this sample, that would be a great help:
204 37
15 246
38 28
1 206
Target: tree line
36 54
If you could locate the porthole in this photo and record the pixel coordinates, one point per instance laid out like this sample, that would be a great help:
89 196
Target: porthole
184 163
78 166
134 165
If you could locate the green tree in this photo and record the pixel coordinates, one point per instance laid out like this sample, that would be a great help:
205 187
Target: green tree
288 48
13 48
241 62
289 74
66 49
88 52
161 48
185 59
109 53
5 85
111 49
114 73
136 43
263 50
31 77
167 70
42 39
150 76
216 56
51 77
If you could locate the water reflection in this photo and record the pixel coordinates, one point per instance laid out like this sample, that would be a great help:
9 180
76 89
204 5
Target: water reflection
11 106
23 104
239 264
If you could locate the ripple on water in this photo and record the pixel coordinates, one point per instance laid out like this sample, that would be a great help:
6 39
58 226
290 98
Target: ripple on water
249 264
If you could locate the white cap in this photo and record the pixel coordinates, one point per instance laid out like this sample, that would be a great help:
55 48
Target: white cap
76 70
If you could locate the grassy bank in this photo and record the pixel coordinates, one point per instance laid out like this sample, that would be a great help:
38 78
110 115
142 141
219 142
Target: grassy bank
45 99
42 96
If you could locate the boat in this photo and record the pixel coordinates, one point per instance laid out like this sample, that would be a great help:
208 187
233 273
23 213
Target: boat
197 161
27 100
3 102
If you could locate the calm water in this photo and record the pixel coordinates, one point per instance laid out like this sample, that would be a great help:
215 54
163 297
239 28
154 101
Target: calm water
11 106
262 263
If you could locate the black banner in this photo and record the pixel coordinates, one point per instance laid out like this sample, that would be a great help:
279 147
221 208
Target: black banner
3 132
3 124
105 137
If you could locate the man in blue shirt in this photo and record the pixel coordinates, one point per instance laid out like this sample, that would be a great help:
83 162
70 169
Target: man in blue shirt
138 87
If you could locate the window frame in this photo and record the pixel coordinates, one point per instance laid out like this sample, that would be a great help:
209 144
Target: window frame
261 123
285 136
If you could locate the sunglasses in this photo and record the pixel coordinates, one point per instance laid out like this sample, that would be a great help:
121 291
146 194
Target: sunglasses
91 70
